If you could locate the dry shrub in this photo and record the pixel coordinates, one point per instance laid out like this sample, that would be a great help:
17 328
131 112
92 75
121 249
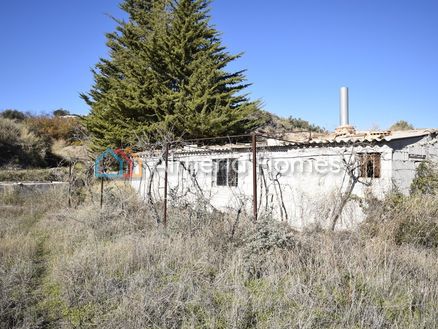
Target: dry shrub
405 220
19 146
9 132
426 179
9 140
56 128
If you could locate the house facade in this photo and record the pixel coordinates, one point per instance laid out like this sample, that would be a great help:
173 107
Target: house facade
308 182
303 179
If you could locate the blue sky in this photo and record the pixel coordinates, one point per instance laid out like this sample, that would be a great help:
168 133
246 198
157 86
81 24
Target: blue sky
297 53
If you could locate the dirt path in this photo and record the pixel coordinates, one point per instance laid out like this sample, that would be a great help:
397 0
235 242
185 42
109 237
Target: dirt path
23 268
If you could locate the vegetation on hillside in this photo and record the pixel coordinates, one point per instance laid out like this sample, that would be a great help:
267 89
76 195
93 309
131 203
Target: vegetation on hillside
20 147
60 112
13 115
55 127
26 140
275 124
401 125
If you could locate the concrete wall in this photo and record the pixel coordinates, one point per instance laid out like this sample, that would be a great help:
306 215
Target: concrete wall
300 185
408 154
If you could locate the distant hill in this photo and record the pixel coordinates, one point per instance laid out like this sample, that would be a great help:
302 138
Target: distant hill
276 125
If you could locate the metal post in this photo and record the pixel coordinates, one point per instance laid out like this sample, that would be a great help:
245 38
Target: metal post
101 193
69 183
254 175
166 164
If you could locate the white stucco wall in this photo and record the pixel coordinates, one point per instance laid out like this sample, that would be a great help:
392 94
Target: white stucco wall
311 196
306 193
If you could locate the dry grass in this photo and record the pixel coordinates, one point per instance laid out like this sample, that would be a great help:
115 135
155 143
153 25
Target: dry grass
34 175
405 220
116 268
21 259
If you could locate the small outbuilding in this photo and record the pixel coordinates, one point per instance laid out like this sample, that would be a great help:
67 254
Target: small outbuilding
298 178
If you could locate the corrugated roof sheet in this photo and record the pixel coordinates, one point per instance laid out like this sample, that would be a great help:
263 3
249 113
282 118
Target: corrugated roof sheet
370 136
303 140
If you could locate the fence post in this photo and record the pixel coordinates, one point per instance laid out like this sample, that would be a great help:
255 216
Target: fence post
101 192
254 175
166 165
69 183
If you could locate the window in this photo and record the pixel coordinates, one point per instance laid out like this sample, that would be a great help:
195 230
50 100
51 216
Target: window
191 168
369 165
226 172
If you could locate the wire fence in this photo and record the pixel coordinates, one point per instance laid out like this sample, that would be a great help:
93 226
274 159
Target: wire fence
246 175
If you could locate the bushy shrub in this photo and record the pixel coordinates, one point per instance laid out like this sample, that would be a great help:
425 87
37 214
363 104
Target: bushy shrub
401 125
9 134
20 147
60 113
13 115
426 179
55 128
404 220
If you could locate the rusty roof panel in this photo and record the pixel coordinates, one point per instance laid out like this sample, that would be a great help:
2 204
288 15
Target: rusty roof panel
288 141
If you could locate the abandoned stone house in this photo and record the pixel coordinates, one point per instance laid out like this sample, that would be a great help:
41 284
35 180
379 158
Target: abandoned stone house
302 179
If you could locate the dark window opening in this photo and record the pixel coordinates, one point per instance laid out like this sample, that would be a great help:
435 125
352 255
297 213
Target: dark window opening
191 169
226 172
370 165
221 177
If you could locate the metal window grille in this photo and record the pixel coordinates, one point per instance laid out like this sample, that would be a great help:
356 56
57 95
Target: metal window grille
226 172
370 165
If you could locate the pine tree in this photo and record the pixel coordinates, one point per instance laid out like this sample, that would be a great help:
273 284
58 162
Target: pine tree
166 72
201 99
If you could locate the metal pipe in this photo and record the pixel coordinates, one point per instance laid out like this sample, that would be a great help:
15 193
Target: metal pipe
69 183
166 165
101 193
254 175
343 107
212 138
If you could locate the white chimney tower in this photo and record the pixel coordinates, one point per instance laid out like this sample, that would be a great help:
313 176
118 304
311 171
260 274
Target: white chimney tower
343 107
344 114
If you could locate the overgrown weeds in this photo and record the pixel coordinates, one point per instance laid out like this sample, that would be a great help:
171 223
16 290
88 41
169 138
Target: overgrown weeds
116 268
21 258
405 220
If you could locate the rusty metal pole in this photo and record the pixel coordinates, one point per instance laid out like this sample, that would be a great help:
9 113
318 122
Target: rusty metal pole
69 183
254 175
166 166
101 193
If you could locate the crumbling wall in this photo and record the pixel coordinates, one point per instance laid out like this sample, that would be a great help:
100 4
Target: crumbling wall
303 186
407 156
